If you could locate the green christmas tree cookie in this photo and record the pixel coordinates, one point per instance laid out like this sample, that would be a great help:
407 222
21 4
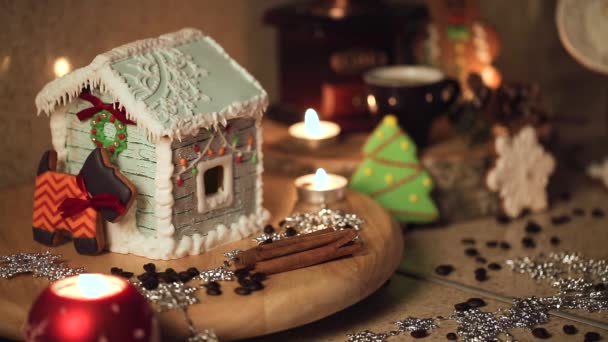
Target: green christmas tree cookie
392 175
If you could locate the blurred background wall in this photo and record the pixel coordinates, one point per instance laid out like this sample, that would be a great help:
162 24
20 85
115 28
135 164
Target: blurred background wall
35 33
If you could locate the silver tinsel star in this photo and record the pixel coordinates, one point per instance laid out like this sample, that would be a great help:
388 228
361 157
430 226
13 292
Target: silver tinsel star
413 324
215 274
204 336
367 336
305 223
169 296
39 264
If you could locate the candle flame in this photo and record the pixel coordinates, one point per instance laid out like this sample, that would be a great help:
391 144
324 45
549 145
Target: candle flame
312 125
62 66
94 286
321 179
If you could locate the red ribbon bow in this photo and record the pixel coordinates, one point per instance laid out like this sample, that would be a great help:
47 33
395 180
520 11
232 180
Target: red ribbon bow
73 206
98 106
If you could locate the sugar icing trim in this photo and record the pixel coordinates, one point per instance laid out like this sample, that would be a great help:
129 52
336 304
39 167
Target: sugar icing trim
99 74
125 238
58 124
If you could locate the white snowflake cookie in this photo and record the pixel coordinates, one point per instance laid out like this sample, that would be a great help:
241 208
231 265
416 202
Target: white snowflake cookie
599 171
521 172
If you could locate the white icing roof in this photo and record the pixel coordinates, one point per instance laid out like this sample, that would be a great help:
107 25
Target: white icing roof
171 85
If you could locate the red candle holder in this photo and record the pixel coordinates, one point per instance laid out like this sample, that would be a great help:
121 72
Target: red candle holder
91 307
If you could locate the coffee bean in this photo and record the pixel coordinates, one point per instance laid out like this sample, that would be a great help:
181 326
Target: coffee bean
282 223
505 245
592 336
481 260
600 287
565 196
559 220
444 270
476 302
462 306
116 270
291 232
555 241
242 291
126 275
268 229
533 228
212 285
471 252
570 329
150 267
578 212
144 276
265 242
213 292
481 274
245 282
258 276
597 213
451 336
525 212
503 219
468 241
241 273
492 244
184 276
170 271
193 271
419 334
494 266
540 333
528 242
150 284
255 286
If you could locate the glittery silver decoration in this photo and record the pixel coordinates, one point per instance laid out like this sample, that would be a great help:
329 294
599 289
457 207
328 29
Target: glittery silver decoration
204 336
412 324
216 274
230 256
169 296
367 336
575 277
305 223
43 264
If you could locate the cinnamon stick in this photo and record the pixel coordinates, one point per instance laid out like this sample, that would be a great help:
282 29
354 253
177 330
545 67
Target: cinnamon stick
251 256
305 259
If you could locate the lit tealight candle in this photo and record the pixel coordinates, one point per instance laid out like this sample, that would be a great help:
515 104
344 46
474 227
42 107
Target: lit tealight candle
91 307
321 187
314 133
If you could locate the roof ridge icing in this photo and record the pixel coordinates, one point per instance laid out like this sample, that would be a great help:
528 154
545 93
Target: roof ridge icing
100 74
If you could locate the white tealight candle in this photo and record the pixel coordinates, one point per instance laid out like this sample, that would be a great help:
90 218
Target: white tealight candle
89 286
313 133
321 187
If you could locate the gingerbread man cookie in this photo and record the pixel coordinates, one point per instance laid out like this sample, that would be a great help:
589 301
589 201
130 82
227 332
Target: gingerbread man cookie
521 172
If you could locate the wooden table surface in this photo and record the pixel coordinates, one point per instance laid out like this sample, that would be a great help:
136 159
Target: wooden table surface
425 248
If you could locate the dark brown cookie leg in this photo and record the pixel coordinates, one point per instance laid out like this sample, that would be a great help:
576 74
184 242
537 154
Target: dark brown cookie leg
48 238
87 246
48 162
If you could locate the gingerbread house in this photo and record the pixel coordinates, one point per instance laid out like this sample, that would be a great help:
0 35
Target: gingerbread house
181 120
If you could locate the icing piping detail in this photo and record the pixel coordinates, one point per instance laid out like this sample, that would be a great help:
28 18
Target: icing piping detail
163 198
59 135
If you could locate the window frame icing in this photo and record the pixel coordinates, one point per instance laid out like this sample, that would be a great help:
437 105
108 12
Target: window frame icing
220 199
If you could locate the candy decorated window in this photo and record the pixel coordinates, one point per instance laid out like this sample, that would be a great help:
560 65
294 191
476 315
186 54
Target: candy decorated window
214 183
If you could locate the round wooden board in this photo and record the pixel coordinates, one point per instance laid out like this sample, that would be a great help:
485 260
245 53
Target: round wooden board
290 299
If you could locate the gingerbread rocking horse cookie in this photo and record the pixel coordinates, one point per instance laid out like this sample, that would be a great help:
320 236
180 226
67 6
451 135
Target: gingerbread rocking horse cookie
66 205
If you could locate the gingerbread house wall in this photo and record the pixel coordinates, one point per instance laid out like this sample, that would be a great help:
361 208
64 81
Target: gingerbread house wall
246 183
137 162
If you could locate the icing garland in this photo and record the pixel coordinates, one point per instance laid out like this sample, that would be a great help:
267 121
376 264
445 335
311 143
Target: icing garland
231 146
118 142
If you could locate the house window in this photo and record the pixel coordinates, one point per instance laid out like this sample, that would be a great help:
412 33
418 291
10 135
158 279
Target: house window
214 186
214 180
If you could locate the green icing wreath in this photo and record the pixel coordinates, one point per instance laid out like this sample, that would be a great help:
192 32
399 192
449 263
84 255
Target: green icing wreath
115 144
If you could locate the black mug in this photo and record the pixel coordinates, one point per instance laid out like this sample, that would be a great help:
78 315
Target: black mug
416 94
